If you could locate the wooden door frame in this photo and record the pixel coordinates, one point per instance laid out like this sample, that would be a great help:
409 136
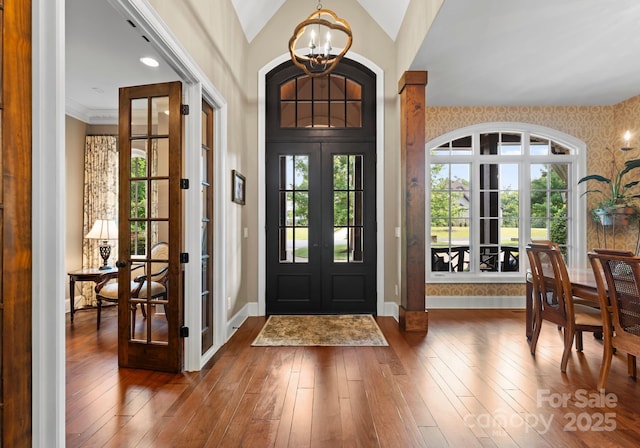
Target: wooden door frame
383 308
16 211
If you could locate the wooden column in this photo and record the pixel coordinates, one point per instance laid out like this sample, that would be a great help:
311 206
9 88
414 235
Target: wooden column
412 90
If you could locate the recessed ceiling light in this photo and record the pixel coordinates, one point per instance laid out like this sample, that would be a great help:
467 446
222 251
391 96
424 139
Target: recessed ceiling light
149 61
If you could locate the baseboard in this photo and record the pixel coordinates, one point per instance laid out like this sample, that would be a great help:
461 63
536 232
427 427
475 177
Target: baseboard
252 309
475 302
391 309
237 320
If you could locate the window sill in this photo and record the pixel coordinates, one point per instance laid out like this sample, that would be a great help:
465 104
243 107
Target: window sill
494 277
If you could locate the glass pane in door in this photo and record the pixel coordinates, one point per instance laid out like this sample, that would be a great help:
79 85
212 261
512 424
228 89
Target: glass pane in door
294 209
149 213
160 115
139 117
348 194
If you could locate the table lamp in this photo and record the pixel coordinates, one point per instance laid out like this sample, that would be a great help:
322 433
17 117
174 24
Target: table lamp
104 230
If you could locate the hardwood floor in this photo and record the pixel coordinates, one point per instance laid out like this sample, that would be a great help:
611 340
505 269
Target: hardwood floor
471 382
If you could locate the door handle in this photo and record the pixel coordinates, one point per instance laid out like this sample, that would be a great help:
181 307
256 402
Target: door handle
121 264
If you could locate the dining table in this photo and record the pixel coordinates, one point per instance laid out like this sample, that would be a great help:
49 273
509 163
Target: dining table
583 285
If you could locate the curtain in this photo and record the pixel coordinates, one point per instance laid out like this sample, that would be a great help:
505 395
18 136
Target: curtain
100 202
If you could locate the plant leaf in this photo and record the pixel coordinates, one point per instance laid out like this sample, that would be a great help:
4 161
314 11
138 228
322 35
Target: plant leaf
632 184
630 165
633 163
595 177
592 191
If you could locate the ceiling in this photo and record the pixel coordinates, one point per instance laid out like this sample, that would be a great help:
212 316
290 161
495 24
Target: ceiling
101 56
494 52
522 52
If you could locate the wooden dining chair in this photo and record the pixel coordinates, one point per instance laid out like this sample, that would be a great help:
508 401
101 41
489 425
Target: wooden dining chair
553 299
617 275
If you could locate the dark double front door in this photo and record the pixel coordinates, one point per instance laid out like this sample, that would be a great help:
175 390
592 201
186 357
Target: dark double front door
320 163
320 215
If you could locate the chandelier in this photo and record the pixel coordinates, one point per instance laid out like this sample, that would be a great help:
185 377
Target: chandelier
324 50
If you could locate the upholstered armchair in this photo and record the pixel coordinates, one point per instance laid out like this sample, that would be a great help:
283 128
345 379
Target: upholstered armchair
143 287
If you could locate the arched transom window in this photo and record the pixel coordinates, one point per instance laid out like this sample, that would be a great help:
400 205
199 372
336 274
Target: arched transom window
333 101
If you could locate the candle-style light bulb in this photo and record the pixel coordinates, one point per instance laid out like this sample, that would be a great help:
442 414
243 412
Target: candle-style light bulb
327 45
312 41
627 137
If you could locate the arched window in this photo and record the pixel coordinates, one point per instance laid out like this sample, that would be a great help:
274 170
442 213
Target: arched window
333 101
493 188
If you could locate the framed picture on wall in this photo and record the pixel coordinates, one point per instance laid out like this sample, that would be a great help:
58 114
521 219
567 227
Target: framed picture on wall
238 187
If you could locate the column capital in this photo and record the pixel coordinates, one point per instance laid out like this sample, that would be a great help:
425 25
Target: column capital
413 78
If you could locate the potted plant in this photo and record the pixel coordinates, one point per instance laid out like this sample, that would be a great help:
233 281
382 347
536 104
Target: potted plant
617 200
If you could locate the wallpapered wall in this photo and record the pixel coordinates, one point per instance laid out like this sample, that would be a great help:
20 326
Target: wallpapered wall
598 126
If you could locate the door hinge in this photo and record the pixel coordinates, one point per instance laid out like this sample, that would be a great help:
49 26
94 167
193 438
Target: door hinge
184 184
184 257
184 109
184 332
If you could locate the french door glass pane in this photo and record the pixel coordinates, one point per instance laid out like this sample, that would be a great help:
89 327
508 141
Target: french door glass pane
348 200
301 244
294 208
151 326
149 201
138 199
159 206
160 115
159 232
138 151
160 157
139 117
138 238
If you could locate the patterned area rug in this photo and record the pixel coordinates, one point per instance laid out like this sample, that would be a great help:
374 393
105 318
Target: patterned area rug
338 330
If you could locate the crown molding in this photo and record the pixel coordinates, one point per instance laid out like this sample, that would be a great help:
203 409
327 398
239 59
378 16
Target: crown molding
90 116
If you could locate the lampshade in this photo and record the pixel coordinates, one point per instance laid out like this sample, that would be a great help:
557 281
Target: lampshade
314 48
103 229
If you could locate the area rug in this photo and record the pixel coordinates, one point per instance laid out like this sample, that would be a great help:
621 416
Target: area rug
321 330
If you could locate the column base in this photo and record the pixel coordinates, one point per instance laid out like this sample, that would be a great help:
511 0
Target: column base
413 320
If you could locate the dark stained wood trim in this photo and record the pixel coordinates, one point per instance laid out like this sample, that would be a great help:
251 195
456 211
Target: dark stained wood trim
412 90
209 214
16 224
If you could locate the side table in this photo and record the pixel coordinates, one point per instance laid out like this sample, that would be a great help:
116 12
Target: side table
85 275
